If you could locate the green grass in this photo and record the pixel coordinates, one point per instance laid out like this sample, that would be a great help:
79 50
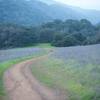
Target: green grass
44 45
80 81
5 65
39 45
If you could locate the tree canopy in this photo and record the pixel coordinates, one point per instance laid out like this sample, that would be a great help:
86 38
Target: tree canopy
58 33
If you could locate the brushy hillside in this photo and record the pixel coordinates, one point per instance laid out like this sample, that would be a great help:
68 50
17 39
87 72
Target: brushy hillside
58 33
34 12
74 71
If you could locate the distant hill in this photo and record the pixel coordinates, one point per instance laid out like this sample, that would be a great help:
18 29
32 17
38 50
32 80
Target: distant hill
35 12
89 14
23 12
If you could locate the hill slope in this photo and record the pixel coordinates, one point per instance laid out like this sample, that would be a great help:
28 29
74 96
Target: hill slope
22 12
29 12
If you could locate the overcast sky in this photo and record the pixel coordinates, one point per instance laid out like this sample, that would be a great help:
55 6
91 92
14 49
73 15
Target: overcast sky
88 4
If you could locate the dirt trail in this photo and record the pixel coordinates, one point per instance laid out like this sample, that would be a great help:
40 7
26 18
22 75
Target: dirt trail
22 85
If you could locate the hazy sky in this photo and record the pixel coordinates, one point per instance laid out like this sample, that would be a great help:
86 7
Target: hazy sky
90 4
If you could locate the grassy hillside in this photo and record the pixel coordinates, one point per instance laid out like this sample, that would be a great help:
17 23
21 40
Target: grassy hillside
74 71
7 63
10 54
78 77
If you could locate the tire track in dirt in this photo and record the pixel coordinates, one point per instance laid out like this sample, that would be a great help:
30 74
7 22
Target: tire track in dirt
22 85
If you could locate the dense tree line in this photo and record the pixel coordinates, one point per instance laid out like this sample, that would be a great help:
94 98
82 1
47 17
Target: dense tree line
58 33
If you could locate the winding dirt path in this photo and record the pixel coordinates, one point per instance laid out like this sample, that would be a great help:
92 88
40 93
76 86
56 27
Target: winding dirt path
22 85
